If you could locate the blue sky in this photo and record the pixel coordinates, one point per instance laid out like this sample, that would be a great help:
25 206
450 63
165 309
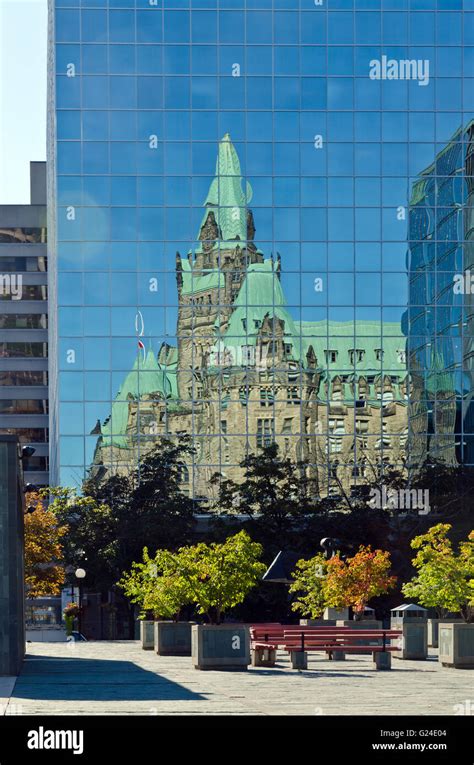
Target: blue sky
23 37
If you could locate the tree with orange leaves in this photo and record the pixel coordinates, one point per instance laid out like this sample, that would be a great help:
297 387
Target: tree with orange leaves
354 581
44 573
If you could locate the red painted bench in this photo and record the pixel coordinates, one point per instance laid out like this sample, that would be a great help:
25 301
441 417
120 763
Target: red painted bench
297 641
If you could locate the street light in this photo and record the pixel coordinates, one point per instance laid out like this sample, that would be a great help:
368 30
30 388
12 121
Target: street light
79 574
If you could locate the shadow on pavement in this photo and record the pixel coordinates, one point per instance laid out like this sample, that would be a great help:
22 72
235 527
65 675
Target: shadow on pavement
74 678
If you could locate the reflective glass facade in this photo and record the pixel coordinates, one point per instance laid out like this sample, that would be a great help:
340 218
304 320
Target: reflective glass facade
257 211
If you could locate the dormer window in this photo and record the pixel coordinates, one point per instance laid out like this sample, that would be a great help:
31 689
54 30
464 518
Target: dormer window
331 356
244 324
257 323
356 355
379 354
401 357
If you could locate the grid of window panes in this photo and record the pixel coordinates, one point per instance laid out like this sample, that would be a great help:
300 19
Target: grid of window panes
333 110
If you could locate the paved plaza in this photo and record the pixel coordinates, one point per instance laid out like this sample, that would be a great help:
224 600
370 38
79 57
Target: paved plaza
120 678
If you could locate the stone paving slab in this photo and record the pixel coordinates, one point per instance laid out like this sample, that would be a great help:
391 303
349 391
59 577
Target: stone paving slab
7 683
120 678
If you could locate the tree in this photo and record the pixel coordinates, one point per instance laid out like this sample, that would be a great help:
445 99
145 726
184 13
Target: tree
275 494
308 584
219 576
445 579
111 524
44 573
353 582
156 585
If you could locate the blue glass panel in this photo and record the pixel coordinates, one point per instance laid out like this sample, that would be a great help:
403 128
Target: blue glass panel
149 25
121 26
123 92
95 125
95 157
203 26
122 59
176 26
149 59
94 59
231 26
68 124
68 92
95 92
67 25
65 55
94 25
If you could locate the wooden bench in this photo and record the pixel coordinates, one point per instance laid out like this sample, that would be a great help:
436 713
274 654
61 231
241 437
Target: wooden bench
334 641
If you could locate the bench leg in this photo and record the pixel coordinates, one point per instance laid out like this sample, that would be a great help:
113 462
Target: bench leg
338 656
263 657
382 660
299 659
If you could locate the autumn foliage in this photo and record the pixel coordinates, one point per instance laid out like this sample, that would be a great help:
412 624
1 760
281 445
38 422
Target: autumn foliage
355 581
44 574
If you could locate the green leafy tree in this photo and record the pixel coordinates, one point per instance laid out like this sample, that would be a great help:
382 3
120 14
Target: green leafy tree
156 585
219 576
308 586
445 577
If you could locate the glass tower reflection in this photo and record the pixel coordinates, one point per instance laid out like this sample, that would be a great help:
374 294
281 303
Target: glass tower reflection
259 298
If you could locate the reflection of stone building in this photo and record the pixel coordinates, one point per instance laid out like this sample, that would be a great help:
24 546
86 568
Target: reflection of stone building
439 322
246 373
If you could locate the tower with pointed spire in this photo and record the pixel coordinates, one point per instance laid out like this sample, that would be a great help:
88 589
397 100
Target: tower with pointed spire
246 373
211 276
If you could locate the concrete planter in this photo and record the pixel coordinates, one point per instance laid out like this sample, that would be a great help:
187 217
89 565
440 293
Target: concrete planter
147 636
335 613
46 635
173 638
317 622
433 629
223 646
365 624
413 644
456 645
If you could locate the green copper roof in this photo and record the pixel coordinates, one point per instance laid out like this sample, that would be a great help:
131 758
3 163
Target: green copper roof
226 197
202 281
262 294
146 377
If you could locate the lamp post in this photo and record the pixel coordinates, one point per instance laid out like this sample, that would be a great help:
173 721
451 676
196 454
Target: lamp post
80 574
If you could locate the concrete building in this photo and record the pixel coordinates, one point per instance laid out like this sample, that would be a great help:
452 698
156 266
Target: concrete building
24 326
12 630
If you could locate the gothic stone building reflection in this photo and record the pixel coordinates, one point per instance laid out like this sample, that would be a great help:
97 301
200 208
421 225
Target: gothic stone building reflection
246 373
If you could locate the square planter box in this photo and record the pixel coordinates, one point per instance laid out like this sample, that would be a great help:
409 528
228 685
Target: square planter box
335 613
147 635
223 646
364 624
456 645
433 629
173 638
413 643
317 622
